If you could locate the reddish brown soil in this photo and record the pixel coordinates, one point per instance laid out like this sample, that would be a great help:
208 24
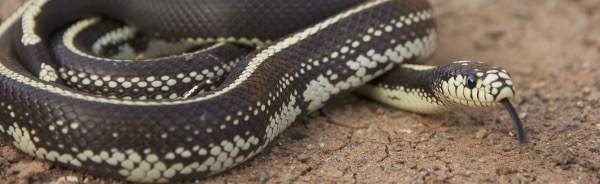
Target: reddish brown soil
551 48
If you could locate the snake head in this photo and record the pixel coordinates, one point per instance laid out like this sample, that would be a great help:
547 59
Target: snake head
480 85
476 84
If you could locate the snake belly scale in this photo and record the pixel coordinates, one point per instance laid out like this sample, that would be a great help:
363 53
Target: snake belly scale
162 140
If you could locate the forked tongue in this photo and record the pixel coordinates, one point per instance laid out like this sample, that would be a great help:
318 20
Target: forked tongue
515 117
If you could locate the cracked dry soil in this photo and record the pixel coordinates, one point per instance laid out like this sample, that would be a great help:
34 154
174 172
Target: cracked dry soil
551 48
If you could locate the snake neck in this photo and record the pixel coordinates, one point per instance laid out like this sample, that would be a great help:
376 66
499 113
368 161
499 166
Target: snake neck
437 89
409 87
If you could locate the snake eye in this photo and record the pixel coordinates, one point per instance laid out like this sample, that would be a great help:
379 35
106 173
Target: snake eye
471 81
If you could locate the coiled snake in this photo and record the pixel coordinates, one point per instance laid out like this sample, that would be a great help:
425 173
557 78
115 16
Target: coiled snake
171 118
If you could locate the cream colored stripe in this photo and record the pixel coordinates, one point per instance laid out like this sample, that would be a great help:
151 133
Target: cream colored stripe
417 67
28 20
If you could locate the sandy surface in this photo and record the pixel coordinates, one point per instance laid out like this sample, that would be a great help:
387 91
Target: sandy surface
551 48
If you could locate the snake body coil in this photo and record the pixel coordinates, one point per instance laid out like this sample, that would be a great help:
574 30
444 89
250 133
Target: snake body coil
117 127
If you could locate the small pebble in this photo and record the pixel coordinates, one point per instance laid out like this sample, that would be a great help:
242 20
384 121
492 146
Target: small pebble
67 179
302 157
437 138
72 179
414 166
552 123
523 115
362 161
464 152
580 104
335 173
495 33
481 133
470 172
276 164
586 91
581 118
571 128
298 135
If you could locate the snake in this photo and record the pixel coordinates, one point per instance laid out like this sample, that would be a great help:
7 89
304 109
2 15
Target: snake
80 88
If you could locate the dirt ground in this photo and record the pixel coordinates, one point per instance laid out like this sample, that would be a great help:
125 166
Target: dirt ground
551 48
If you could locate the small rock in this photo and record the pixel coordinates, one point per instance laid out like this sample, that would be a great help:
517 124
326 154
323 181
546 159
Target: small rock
523 115
586 91
469 173
505 179
362 161
335 173
298 135
302 157
64 180
72 179
276 164
580 104
581 118
437 139
495 33
551 123
505 171
533 110
414 166
26 170
347 168
571 128
481 133
499 119
523 13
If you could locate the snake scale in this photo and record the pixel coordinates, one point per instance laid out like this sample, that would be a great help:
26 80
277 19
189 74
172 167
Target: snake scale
66 97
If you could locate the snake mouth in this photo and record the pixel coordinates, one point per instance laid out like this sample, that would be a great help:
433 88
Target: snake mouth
515 117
